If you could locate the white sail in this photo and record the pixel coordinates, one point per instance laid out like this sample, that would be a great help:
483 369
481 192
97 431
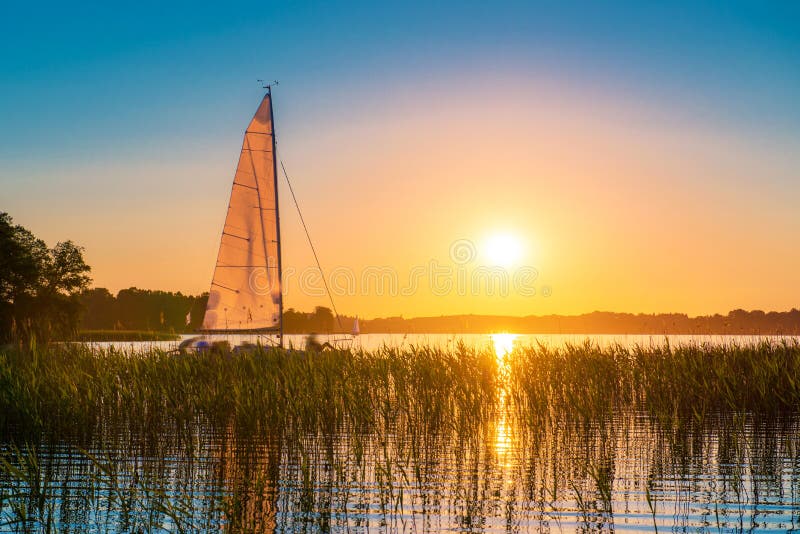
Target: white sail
356 330
245 291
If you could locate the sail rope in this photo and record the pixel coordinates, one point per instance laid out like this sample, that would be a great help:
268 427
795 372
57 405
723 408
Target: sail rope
311 243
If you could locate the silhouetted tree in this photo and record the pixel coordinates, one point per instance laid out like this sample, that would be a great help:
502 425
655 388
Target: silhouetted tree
324 318
99 309
39 287
142 309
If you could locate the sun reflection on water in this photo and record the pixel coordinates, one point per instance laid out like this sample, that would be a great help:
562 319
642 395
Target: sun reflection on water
502 437
503 346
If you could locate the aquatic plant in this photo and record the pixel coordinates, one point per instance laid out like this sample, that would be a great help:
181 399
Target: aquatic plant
678 384
396 438
77 389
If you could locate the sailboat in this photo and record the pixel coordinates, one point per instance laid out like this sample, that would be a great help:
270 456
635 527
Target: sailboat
245 297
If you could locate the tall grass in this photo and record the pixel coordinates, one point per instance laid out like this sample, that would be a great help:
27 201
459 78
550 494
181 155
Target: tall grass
311 441
338 409
76 389
79 389
680 383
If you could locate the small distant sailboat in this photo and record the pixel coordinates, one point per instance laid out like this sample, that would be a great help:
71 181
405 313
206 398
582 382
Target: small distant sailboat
356 330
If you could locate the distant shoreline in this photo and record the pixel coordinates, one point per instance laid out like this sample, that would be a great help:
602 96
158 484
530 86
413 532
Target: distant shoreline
144 310
134 335
125 335
737 322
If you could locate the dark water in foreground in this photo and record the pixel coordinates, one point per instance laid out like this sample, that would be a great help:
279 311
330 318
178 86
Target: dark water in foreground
631 473
624 470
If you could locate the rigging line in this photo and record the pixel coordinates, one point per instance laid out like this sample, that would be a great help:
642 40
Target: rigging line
313 250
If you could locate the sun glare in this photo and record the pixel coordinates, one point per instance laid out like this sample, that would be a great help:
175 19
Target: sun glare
503 344
502 250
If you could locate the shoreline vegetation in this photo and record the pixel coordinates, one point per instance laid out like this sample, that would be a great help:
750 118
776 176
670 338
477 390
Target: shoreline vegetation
90 336
386 420
48 387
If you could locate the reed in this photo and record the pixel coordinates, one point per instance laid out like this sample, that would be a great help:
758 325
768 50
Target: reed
425 390
249 441
75 388
677 384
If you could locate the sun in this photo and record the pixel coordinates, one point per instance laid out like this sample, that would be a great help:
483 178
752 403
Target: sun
502 250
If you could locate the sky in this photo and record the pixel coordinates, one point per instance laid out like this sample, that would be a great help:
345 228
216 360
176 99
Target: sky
629 156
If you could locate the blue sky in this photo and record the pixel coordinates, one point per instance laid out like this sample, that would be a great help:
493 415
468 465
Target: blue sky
99 67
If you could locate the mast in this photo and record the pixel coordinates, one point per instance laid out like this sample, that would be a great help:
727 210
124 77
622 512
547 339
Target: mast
277 215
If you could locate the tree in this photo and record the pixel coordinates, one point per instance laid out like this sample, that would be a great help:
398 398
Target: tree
39 287
99 309
21 254
324 319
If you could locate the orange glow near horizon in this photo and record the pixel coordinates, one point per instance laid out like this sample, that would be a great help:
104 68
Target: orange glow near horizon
630 207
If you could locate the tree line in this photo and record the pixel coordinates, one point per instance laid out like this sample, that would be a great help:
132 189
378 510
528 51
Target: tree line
138 309
141 309
736 322
164 311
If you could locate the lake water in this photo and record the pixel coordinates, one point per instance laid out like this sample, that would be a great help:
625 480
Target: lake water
500 341
626 471
629 475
